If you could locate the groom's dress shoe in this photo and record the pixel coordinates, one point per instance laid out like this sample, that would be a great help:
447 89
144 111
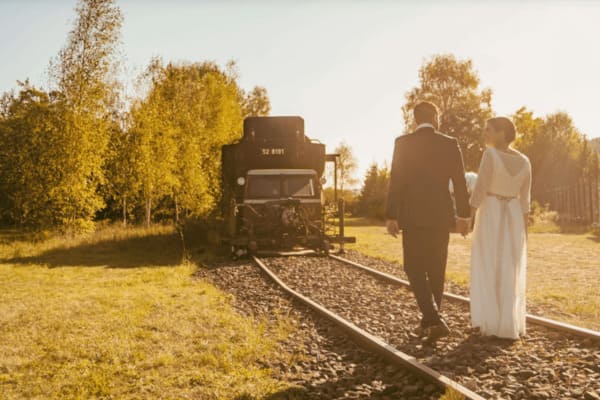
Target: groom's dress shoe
437 331
420 331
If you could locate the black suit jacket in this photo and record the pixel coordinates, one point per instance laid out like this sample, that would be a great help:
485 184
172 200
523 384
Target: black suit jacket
422 166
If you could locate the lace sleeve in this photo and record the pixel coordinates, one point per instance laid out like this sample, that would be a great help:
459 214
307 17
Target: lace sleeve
525 194
484 179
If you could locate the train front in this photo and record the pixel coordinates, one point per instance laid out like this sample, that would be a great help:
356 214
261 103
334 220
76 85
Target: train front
272 187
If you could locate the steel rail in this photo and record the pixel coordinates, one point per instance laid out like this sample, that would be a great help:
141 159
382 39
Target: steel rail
549 323
372 342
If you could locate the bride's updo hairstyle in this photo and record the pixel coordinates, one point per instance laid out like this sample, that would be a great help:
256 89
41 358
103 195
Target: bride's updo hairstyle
505 125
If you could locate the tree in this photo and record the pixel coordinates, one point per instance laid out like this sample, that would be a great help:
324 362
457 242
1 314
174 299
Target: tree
595 143
527 126
256 103
32 160
190 111
82 74
453 86
372 197
346 167
558 152
122 177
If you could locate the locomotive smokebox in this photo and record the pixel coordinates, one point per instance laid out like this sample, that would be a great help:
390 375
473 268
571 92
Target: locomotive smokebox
269 128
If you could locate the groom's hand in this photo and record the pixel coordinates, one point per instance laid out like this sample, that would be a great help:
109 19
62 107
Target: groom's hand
392 227
463 226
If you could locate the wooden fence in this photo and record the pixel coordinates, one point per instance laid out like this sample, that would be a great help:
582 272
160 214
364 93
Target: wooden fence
577 203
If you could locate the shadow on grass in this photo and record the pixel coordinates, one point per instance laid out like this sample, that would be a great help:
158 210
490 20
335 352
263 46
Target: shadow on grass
152 250
9 235
580 229
595 237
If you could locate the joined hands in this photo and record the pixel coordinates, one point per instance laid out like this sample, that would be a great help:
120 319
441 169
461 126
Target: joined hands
463 226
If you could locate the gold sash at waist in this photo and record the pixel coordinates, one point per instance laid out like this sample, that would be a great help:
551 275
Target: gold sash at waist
501 198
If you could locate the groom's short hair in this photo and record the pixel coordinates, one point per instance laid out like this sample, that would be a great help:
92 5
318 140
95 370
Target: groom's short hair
426 112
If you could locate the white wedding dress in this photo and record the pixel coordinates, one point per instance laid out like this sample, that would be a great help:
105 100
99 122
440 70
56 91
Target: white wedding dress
499 252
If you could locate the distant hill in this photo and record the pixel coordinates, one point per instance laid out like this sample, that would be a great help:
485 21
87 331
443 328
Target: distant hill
595 144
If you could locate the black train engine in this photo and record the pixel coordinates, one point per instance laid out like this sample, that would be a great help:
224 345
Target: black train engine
272 187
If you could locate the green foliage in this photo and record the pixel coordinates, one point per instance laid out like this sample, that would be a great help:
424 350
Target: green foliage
190 111
122 159
372 197
256 103
542 219
69 152
82 74
453 86
33 165
558 152
350 198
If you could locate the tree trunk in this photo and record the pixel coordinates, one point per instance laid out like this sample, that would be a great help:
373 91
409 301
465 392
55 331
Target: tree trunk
148 211
176 211
124 212
342 180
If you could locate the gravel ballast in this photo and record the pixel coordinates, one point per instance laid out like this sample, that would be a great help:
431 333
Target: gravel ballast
329 365
546 364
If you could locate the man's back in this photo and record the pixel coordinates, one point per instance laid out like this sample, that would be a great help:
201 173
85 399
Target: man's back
423 164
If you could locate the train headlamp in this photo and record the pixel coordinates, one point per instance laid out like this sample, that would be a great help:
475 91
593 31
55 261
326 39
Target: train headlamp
241 181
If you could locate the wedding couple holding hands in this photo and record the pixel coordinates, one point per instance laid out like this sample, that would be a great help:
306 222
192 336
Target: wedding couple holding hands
420 205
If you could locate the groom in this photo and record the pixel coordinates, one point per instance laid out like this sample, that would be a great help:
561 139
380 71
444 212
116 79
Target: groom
420 205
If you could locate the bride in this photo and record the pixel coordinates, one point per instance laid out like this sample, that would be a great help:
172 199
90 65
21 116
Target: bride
501 201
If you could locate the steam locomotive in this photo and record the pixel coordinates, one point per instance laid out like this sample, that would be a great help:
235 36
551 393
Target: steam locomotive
272 188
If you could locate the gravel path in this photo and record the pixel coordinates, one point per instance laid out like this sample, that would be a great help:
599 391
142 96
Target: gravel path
329 365
544 365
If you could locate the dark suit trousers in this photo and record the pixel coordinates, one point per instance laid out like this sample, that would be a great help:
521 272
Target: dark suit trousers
425 256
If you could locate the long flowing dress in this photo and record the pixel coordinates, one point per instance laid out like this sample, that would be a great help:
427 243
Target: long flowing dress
499 252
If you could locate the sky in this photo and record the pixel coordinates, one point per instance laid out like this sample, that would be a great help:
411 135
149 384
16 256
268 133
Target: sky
344 66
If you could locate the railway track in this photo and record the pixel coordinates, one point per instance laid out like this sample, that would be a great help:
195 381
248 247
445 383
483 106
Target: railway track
553 361
317 359
372 342
549 323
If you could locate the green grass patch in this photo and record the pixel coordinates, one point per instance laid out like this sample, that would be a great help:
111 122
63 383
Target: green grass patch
117 314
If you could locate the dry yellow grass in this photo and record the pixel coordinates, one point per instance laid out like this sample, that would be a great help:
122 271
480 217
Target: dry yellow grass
563 269
118 315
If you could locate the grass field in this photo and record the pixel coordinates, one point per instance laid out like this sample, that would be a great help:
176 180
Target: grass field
118 315
562 276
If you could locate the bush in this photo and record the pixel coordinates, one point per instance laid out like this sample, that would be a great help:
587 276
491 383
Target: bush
541 214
